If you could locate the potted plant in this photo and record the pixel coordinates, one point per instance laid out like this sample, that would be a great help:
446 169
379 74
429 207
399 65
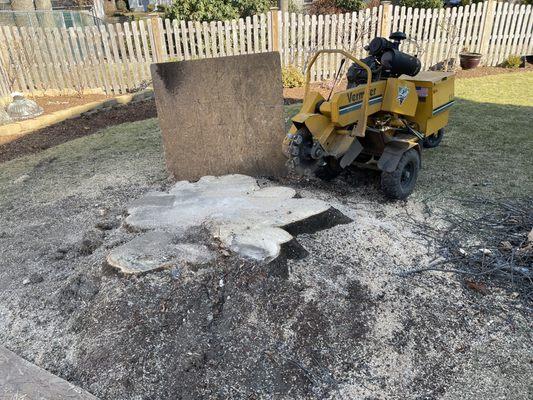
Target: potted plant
468 59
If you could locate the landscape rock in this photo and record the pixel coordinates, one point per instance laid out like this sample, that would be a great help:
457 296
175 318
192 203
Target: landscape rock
33 278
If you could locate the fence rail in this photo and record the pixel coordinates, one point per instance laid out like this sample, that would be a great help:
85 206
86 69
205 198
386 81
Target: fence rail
116 57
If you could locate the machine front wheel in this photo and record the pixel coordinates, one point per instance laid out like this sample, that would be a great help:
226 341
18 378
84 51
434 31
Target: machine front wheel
433 140
400 183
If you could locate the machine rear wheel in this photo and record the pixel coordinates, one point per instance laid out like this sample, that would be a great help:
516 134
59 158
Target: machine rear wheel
400 183
433 140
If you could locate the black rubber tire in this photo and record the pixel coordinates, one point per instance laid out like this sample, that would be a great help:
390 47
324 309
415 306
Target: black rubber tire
432 141
400 183
330 171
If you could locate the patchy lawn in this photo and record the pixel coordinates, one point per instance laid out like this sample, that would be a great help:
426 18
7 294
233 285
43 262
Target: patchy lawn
488 147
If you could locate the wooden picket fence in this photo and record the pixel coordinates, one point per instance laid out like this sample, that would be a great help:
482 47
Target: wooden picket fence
115 58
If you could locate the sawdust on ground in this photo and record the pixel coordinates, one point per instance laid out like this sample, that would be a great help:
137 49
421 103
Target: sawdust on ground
341 324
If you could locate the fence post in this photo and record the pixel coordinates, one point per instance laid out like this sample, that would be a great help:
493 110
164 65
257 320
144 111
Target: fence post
487 28
158 42
386 18
274 18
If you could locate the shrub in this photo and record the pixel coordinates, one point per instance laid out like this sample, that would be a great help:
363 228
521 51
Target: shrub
215 10
294 7
291 76
246 8
200 10
335 6
324 7
350 5
513 61
422 3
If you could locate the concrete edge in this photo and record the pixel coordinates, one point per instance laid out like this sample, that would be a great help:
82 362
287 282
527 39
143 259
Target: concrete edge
15 130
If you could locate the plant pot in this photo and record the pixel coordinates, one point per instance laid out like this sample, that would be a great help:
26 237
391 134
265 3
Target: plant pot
529 59
469 60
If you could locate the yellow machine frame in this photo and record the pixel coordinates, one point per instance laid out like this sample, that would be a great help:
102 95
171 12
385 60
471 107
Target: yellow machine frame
354 107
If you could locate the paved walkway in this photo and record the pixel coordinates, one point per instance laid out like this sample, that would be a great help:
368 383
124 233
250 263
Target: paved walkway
22 380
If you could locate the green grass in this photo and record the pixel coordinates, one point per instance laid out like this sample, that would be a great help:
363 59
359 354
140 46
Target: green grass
126 154
487 150
488 146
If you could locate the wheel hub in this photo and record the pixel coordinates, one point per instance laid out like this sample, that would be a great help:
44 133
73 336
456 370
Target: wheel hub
407 174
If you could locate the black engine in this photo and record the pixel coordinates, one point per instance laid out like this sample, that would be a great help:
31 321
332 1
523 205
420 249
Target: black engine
385 61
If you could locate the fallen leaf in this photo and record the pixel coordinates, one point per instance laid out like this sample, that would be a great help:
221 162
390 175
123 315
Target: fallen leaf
477 286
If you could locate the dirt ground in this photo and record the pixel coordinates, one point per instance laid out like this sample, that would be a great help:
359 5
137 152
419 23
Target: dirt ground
335 318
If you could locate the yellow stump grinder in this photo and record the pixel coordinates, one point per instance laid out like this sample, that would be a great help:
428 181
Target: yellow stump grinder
380 121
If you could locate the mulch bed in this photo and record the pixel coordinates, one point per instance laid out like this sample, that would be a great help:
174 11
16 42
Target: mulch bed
75 128
57 103
87 125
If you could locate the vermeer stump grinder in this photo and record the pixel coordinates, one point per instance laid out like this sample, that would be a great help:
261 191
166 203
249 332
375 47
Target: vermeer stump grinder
380 121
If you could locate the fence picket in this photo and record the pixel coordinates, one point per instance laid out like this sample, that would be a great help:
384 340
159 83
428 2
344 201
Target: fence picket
184 40
32 54
119 70
83 74
249 31
256 28
213 36
234 37
41 42
146 51
221 39
60 56
517 32
242 38
263 32
509 33
227 38
199 39
129 80
130 55
525 46
87 49
320 45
